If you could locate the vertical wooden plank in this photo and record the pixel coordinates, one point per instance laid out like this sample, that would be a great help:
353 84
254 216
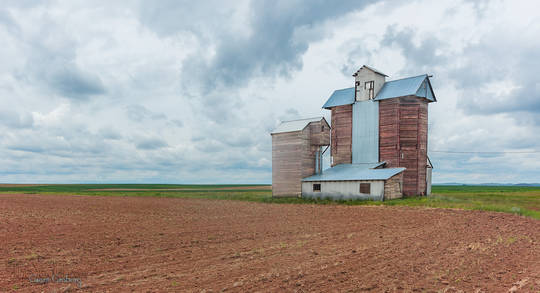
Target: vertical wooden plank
341 135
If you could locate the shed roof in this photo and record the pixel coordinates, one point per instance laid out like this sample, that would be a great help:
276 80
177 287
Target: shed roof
340 97
354 172
295 125
419 86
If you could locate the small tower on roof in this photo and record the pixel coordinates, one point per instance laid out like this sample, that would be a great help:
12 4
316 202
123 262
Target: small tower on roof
368 82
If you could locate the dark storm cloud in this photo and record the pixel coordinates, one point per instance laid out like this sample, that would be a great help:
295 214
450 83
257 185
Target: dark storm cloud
271 48
71 82
420 57
50 58
267 44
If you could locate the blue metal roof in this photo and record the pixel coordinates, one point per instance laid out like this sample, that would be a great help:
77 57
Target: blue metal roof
295 125
340 98
419 86
411 86
354 172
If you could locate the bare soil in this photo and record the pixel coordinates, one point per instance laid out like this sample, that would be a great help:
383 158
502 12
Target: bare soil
175 244
21 185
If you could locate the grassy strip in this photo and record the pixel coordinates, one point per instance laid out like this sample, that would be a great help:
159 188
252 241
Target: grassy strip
84 187
509 199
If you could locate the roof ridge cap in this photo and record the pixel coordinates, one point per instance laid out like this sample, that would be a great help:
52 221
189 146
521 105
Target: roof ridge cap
311 118
425 74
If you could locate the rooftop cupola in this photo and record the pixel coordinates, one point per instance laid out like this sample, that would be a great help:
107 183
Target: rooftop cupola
367 83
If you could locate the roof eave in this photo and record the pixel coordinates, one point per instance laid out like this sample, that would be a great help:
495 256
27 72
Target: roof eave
431 89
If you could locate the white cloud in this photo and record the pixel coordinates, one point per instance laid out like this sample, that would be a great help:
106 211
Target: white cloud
137 91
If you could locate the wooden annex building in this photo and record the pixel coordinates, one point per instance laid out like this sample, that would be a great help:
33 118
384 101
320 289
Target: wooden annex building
378 143
296 146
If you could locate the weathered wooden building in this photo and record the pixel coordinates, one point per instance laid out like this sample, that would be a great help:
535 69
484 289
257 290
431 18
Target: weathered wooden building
378 142
296 153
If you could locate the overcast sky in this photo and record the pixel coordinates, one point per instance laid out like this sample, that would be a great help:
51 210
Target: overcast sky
188 91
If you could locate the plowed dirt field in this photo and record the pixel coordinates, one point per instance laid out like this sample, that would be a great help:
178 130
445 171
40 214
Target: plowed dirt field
90 243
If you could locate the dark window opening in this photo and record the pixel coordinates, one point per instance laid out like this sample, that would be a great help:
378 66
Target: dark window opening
370 87
356 89
365 188
322 128
316 187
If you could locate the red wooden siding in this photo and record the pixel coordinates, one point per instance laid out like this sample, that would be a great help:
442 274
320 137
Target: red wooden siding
341 135
403 140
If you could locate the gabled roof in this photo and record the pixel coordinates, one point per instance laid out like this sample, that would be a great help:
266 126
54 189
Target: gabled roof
296 125
355 172
429 164
370 68
419 86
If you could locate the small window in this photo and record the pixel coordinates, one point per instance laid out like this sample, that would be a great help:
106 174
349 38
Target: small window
356 89
365 188
317 187
322 128
370 87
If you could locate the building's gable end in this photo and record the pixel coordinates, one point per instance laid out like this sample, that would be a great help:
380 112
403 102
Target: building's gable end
426 91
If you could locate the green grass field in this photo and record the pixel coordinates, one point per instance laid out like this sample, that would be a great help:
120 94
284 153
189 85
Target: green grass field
510 199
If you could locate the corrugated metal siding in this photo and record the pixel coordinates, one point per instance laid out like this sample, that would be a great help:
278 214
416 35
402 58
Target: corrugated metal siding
343 190
365 132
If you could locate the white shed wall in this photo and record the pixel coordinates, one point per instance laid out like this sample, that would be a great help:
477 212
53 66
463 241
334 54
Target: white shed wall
343 190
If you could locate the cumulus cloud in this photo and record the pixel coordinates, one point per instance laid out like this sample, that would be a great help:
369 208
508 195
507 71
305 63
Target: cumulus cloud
15 120
253 38
169 91
150 143
139 113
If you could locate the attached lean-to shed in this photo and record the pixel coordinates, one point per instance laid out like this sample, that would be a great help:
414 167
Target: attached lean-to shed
355 181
